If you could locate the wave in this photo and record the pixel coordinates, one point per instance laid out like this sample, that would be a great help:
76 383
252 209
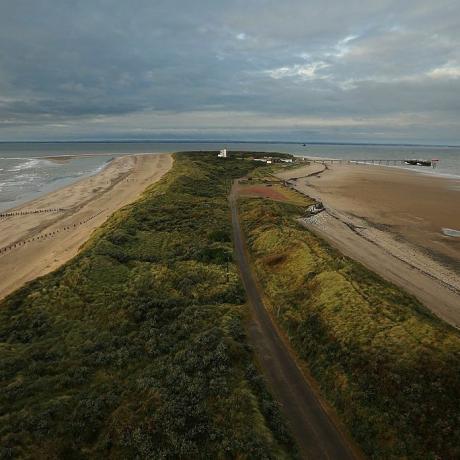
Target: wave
28 164
15 158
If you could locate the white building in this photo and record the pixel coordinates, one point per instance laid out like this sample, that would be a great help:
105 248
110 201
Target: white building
267 160
222 153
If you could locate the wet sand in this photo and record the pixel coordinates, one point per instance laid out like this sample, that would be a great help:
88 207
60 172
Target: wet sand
60 159
392 221
46 240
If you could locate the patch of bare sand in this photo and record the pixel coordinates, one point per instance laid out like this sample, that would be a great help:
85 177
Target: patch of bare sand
44 241
391 220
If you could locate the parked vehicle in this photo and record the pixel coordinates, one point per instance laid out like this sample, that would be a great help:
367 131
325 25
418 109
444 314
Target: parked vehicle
315 209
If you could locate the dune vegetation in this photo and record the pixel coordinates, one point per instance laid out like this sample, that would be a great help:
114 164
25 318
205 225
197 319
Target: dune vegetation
387 365
135 348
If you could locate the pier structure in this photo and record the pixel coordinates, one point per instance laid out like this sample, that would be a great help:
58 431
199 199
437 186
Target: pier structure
387 161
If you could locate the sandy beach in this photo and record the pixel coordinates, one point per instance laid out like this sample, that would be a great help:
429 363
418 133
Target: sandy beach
392 221
34 243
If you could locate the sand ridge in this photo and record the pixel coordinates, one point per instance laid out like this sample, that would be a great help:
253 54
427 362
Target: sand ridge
37 243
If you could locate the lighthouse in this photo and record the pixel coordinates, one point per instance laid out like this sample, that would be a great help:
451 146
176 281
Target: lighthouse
222 153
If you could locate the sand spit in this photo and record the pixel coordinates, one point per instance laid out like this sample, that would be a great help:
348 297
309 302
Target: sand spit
44 233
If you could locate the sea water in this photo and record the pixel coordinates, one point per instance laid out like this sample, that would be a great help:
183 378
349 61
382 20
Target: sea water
28 169
24 178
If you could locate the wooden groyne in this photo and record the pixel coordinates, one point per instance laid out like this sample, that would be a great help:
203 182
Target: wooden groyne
49 234
30 211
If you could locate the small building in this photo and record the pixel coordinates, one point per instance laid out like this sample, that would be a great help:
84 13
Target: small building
222 153
267 160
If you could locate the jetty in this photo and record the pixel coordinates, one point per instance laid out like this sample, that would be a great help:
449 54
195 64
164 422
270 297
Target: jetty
414 162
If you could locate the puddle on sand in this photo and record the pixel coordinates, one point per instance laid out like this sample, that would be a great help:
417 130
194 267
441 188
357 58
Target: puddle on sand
451 232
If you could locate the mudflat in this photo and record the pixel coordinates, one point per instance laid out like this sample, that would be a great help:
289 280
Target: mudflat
392 221
35 243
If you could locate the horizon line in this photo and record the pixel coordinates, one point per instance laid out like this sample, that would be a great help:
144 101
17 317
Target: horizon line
225 141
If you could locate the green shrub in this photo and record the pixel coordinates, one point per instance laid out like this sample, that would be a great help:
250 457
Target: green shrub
135 348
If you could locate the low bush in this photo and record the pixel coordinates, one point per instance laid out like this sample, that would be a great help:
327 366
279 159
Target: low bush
390 368
135 348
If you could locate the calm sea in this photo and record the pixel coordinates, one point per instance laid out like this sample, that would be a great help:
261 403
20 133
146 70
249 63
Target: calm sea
26 172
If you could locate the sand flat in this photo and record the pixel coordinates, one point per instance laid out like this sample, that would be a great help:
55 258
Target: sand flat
392 221
416 206
85 205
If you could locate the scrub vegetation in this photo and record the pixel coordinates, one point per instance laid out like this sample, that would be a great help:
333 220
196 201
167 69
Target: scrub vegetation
388 366
135 348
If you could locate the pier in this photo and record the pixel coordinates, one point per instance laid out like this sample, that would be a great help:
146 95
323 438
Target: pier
414 162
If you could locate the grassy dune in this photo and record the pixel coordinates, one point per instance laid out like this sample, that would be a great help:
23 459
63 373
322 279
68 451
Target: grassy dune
389 367
135 348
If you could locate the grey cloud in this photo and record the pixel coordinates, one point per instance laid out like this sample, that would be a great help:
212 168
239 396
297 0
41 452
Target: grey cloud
112 68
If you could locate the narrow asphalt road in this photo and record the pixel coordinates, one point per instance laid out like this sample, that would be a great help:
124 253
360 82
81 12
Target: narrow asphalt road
316 435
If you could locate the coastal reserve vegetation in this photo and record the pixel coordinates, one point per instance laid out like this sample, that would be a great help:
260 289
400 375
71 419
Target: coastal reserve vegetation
386 364
136 348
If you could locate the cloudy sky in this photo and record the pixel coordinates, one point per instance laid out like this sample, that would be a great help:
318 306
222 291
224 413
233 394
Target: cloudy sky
317 70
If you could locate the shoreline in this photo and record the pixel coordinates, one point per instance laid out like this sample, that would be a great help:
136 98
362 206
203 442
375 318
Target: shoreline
44 233
57 183
428 171
391 221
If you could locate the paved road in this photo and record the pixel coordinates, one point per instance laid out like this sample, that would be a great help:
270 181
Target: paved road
315 433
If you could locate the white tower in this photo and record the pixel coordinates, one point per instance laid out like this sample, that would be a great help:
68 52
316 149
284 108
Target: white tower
222 153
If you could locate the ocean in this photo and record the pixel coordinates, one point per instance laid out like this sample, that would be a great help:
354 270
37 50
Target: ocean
30 169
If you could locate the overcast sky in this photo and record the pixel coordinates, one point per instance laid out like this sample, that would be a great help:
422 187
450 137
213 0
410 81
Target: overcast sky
321 70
